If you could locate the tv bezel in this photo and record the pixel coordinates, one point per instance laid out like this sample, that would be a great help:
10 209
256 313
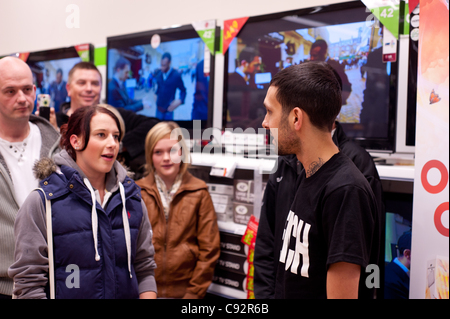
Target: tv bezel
382 145
167 34
58 54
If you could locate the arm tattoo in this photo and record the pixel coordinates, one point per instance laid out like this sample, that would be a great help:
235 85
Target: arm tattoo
314 167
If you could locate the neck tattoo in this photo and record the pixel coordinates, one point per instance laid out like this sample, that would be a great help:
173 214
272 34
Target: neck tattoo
314 167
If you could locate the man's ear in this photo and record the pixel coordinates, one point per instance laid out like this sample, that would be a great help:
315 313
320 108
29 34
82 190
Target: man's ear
298 117
68 89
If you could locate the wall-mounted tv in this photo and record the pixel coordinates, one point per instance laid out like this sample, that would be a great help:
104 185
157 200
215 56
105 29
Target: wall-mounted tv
165 73
345 36
51 68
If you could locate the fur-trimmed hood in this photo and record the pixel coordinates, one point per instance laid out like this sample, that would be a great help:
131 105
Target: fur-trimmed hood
46 166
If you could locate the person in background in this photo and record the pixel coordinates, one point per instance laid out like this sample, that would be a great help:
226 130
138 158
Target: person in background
200 105
243 95
24 139
185 230
319 53
168 81
105 233
58 90
117 91
249 64
396 276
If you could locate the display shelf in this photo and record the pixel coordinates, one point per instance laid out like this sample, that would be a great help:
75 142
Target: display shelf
231 227
266 165
404 173
387 172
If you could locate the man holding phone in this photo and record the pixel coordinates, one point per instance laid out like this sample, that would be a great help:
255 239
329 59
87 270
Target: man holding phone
24 139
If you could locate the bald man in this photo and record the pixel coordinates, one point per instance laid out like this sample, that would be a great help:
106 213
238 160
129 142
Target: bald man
24 139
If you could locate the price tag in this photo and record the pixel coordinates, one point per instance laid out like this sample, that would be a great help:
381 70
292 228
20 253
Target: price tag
389 46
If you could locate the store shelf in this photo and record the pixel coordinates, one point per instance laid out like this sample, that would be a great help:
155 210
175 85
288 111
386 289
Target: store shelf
387 172
405 173
266 165
231 227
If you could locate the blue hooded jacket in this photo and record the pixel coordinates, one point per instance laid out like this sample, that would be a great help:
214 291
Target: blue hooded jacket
106 244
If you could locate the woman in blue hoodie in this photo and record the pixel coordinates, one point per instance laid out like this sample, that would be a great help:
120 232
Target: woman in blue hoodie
102 238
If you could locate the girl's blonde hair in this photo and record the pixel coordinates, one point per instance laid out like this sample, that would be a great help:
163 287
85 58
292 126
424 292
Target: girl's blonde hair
157 133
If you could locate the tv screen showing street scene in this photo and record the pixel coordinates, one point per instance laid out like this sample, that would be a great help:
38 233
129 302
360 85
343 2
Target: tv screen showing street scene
167 82
354 50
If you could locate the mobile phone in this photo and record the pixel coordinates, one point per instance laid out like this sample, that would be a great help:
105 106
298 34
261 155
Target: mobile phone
44 105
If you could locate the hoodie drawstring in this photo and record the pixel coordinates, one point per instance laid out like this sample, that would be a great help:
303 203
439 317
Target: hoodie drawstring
126 227
94 218
126 224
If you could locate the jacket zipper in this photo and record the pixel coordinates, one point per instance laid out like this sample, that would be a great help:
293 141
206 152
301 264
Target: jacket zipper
166 239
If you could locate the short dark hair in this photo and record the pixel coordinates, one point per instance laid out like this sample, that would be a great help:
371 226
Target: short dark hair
83 66
320 43
120 63
404 242
166 55
80 125
314 88
247 55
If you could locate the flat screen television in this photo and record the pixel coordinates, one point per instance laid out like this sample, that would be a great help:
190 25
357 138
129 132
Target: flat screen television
51 68
165 73
345 36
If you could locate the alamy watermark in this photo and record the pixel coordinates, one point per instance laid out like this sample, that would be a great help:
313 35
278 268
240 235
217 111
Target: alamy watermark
73 19
249 141
73 280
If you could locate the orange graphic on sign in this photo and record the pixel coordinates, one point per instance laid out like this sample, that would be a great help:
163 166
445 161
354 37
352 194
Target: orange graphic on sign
231 29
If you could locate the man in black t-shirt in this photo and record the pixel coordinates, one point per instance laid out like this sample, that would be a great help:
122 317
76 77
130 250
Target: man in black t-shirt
326 238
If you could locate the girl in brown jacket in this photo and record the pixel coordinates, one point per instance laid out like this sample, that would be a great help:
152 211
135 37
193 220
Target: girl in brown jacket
181 212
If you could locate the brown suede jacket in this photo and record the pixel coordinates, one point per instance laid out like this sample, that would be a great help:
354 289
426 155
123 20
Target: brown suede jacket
187 246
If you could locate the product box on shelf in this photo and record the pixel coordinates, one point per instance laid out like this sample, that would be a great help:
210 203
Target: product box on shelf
232 243
242 212
223 206
224 212
244 190
220 189
230 279
233 262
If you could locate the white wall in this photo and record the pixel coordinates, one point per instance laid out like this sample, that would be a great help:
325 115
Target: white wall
34 25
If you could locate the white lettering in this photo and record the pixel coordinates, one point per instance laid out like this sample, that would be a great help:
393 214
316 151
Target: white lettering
192 309
289 257
73 280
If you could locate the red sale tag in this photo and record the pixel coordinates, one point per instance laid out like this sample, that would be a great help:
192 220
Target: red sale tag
231 29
